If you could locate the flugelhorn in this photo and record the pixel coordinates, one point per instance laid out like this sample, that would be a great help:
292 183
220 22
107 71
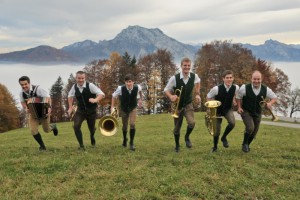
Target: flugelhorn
176 103
211 116
266 111
108 125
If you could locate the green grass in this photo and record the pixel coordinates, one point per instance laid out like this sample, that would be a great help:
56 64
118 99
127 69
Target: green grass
154 171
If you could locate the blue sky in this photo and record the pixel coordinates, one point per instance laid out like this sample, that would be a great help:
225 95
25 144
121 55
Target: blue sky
57 23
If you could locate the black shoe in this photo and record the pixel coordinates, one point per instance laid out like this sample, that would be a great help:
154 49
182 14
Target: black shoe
225 143
93 141
54 129
124 144
214 149
245 148
188 143
81 148
177 148
132 147
42 149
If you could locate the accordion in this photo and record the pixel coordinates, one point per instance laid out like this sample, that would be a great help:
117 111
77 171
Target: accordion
38 107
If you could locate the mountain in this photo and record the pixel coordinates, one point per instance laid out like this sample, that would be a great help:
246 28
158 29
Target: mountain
138 41
273 50
40 54
135 40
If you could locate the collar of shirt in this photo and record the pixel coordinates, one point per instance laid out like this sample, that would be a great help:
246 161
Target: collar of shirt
256 90
227 87
129 90
182 77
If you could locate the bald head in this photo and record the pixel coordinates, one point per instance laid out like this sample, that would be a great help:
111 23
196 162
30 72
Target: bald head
256 79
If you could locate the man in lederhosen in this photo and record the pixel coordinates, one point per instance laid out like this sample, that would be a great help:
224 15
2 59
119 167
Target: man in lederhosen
130 96
225 93
33 91
87 96
248 101
189 82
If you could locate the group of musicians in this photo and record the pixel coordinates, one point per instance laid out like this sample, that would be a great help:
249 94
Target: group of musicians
247 98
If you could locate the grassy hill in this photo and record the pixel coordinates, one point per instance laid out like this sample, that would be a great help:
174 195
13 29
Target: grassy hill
154 171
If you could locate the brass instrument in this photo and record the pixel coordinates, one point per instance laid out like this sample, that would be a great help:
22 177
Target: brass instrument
211 116
108 125
176 103
266 111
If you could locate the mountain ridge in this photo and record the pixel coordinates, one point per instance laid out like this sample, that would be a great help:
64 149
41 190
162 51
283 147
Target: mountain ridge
138 41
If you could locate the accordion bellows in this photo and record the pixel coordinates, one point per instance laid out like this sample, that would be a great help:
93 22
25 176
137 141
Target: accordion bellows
38 107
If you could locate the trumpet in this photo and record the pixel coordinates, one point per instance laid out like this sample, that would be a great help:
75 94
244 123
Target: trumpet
266 111
108 125
176 103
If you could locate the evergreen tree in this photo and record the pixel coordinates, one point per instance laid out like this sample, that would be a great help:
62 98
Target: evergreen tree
67 88
56 93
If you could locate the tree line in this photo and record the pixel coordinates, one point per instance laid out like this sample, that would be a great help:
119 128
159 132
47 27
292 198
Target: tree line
153 71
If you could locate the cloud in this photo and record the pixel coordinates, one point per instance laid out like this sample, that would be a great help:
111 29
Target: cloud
29 23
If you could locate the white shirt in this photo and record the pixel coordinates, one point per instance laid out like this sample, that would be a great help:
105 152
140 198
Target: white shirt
215 90
40 92
93 89
242 92
118 91
172 81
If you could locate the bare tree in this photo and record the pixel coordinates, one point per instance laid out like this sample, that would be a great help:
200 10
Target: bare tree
294 101
283 91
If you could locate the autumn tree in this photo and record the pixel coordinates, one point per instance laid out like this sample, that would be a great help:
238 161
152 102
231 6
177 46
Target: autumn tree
58 109
156 69
212 59
105 74
146 67
9 112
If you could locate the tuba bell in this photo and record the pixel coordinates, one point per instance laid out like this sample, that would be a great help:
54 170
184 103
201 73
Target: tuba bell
211 116
176 103
266 111
108 125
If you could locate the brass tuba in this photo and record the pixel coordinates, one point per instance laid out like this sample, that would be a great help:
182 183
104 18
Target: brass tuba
266 111
176 103
211 116
108 125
